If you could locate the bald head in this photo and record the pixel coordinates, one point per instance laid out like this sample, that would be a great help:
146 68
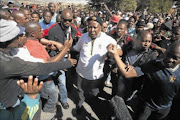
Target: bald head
66 17
26 12
17 14
19 17
66 13
31 26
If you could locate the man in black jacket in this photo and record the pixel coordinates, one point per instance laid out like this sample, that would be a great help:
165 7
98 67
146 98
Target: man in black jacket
60 33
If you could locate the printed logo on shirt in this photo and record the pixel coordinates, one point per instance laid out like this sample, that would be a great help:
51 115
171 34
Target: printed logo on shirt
100 46
172 78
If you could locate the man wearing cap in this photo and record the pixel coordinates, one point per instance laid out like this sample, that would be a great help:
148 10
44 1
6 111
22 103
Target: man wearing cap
140 26
92 47
10 4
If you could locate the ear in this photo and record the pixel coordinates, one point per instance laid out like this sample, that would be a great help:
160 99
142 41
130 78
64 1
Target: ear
32 34
17 20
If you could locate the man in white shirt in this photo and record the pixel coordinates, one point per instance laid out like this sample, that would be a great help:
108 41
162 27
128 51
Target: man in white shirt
93 50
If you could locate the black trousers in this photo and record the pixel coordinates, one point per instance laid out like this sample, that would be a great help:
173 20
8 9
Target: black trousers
88 86
125 87
144 112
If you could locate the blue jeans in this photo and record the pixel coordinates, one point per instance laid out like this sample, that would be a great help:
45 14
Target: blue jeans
62 87
50 93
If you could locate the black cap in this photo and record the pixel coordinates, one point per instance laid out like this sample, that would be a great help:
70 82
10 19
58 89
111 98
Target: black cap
141 23
95 18
10 2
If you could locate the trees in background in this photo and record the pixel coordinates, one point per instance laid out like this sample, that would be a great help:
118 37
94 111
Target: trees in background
153 6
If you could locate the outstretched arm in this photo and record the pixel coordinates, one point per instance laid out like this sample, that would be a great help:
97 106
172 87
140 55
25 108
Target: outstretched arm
106 7
127 71
50 44
60 55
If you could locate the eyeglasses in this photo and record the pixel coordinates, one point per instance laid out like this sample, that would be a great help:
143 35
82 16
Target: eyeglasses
65 20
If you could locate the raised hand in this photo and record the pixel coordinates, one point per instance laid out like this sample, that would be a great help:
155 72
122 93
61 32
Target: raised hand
31 88
112 49
68 43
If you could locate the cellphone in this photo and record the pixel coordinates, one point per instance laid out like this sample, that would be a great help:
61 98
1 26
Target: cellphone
68 36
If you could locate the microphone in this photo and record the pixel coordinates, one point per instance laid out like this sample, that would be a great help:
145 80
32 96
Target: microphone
120 110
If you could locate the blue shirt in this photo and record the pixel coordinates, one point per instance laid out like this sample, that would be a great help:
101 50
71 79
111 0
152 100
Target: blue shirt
22 29
160 85
45 26
53 19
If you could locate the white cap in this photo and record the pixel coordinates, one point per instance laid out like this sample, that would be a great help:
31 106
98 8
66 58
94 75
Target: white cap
8 30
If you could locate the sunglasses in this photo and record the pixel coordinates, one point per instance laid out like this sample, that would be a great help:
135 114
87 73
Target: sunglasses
65 20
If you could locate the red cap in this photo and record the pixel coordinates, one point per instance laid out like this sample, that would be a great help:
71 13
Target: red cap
115 19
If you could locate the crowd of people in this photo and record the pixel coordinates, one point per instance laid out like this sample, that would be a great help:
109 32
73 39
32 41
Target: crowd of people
138 52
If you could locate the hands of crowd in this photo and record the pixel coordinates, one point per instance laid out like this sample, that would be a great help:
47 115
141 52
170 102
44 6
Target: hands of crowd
56 45
68 43
31 88
73 61
105 6
113 49
128 67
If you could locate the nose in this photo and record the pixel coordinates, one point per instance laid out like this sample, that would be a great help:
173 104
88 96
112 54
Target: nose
171 60
92 29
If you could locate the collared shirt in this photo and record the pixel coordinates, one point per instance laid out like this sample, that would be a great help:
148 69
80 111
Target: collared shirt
45 26
92 55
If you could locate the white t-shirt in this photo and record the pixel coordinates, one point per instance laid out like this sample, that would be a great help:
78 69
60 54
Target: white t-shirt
92 56
24 54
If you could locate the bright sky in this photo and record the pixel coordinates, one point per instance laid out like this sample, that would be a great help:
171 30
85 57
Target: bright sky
69 0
